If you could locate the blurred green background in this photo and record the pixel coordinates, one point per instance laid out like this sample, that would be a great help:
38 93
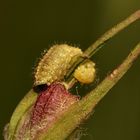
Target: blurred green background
29 27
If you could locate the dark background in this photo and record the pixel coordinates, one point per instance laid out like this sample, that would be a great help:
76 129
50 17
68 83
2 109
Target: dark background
29 27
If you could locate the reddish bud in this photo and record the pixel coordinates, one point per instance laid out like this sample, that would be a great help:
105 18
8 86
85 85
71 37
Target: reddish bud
49 106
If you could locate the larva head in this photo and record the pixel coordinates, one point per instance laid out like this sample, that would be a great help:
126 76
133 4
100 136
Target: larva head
85 73
54 64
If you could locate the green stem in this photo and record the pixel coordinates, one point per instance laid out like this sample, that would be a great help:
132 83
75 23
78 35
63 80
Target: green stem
82 109
101 90
112 32
100 42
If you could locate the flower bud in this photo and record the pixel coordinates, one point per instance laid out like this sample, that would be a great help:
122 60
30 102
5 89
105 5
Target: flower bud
47 109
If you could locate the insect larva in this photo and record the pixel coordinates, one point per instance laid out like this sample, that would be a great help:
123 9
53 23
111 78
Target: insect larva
54 64
57 61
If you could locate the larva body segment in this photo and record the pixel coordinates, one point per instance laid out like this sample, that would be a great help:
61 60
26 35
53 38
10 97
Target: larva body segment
54 64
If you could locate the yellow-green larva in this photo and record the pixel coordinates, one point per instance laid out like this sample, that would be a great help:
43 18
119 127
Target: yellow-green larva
54 64
85 73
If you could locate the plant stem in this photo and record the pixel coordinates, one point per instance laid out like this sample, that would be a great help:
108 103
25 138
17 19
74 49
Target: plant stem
113 31
82 109
101 90
100 42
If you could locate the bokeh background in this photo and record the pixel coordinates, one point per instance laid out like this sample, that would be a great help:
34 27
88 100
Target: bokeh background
29 27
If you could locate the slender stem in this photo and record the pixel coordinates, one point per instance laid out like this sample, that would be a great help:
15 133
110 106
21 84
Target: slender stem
80 110
101 90
112 32
100 42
